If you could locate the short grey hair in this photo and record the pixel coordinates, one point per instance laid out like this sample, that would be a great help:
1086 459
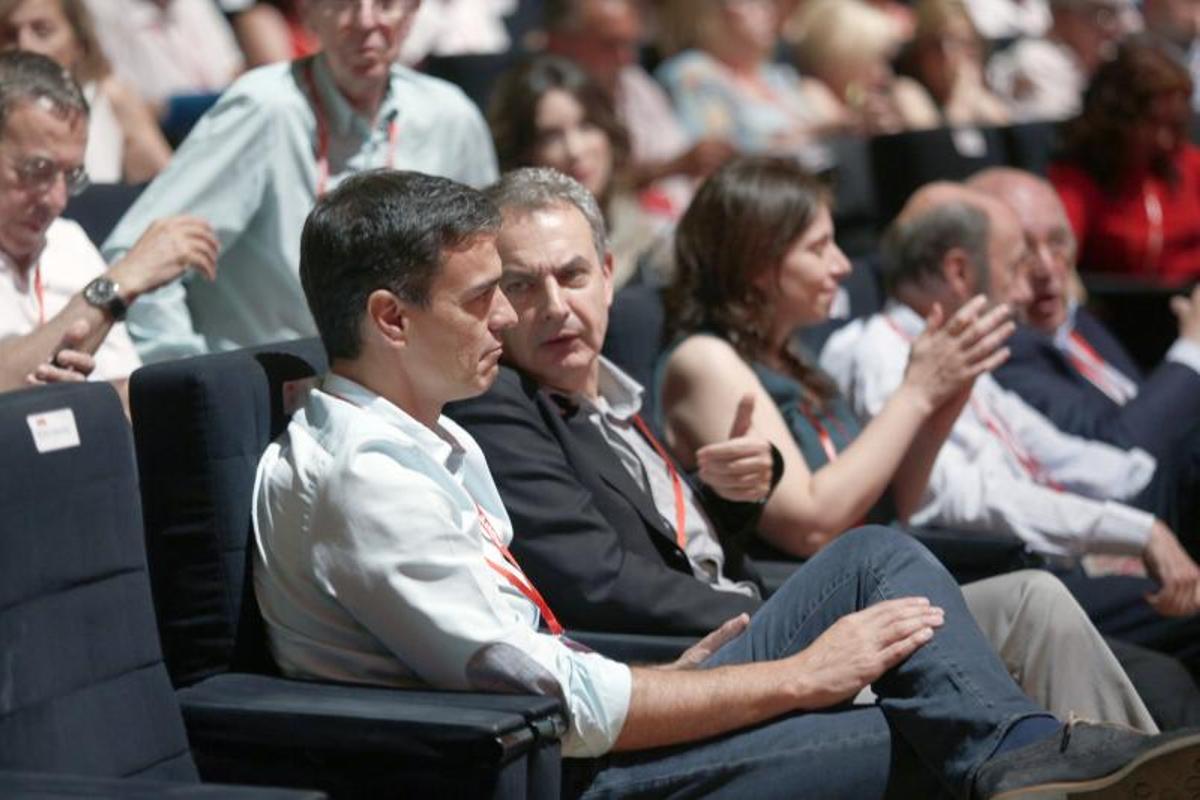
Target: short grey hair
31 78
538 188
913 249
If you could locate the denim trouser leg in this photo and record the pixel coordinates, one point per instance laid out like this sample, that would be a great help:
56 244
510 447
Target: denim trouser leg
951 701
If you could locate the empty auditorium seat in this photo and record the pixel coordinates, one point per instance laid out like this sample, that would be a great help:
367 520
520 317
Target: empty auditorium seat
86 706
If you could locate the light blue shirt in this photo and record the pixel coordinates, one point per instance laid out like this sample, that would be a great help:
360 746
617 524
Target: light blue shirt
249 169
372 566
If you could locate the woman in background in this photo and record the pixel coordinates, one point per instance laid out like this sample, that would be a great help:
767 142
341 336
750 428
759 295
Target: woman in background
548 112
1128 176
124 141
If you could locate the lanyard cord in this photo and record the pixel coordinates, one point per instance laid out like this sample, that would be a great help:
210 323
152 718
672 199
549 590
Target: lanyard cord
322 149
676 483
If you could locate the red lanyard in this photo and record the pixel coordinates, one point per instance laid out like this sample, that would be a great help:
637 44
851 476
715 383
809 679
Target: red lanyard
998 429
1093 367
518 579
39 293
322 152
676 483
827 444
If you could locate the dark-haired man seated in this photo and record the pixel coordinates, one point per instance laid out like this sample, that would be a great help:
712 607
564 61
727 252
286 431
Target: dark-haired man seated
382 557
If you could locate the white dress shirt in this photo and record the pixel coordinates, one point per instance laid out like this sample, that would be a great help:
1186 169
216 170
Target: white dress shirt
1004 468
68 262
372 565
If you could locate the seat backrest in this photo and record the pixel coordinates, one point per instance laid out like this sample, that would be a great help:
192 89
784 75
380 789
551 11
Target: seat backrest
201 425
100 207
83 688
635 335
903 162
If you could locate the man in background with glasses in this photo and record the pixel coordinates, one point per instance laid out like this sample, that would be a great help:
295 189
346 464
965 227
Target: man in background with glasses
279 138
61 306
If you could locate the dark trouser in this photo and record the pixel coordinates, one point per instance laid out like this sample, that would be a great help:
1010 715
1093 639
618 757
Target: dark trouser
940 714
1163 683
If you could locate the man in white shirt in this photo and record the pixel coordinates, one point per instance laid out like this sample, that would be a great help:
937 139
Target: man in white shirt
1005 467
382 557
59 301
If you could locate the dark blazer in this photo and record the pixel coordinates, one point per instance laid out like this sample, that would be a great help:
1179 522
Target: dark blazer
1166 408
585 532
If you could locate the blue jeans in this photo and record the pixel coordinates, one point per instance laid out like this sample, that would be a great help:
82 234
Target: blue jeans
940 714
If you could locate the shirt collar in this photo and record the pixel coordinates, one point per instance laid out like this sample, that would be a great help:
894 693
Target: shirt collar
620 396
9 265
342 116
441 445
903 317
1064 331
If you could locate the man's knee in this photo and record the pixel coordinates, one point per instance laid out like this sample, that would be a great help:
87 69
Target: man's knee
880 544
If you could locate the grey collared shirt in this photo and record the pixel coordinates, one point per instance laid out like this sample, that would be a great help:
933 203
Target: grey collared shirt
620 399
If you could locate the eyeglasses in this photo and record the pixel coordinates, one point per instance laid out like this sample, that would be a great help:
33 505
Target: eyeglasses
40 173
384 8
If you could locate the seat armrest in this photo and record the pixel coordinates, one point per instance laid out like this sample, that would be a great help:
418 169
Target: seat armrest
48 786
280 712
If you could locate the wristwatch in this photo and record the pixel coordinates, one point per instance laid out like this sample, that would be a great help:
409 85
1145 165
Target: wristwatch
103 294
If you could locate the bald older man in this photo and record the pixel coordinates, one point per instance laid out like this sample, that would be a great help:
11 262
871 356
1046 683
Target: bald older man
1005 468
1067 365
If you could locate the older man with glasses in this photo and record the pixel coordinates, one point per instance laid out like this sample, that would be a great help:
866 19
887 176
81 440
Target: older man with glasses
278 139
59 302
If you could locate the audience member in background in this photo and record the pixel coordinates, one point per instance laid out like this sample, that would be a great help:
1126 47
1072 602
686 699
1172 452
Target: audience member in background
1066 364
727 85
273 30
848 45
1044 78
603 37
458 28
59 302
1128 175
592 492
379 530
278 139
124 142
165 48
946 56
548 112
1009 19
1004 468
1176 23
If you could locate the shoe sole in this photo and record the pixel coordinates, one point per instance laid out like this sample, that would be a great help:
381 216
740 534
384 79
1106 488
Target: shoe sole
1170 771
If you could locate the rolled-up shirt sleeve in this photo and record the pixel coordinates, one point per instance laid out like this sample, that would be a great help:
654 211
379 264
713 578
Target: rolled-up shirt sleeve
411 565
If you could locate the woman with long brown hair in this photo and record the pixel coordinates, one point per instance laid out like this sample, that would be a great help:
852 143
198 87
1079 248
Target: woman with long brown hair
755 260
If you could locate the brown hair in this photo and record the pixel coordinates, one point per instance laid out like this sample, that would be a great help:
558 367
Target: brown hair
1119 96
740 224
512 111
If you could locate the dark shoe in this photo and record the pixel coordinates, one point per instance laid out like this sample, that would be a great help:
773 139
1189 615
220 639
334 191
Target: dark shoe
1094 761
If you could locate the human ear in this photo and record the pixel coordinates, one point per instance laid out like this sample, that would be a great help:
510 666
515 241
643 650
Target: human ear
388 316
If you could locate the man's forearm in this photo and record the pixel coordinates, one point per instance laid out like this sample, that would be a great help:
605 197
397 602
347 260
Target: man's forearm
675 706
21 355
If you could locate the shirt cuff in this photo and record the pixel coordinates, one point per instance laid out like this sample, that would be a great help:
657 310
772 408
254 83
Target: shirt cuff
598 705
1122 530
1185 352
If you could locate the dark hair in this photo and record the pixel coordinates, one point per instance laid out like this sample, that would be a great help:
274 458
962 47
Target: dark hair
28 77
512 112
913 250
382 229
559 15
741 223
93 65
1119 96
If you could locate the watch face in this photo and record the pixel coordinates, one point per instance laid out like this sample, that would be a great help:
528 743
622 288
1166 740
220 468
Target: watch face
100 292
